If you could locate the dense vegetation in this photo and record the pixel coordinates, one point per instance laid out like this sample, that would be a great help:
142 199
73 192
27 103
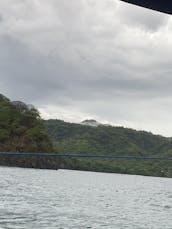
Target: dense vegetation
21 129
75 138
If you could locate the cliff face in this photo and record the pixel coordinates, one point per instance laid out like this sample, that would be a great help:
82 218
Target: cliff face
22 130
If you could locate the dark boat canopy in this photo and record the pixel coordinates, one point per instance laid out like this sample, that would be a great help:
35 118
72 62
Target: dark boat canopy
164 6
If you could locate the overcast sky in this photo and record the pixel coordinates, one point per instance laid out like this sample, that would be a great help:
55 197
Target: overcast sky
78 59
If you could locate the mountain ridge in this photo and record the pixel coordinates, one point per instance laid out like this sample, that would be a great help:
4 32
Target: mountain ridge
59 129
72 138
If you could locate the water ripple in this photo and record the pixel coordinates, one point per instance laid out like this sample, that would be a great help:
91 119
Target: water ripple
77 200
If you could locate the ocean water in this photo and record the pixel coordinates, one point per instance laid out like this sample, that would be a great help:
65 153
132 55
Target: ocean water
64 199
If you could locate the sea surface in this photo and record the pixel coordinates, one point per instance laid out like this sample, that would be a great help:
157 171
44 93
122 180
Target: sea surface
34 199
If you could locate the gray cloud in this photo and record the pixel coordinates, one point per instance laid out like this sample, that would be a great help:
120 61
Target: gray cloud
23 72
102 59
145 19
1 19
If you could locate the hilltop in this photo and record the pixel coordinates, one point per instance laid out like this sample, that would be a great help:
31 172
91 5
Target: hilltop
90 122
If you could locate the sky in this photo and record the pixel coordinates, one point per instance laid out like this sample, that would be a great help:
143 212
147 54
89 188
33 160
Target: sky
89 59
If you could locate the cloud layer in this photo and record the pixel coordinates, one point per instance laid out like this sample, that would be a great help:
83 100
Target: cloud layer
89 59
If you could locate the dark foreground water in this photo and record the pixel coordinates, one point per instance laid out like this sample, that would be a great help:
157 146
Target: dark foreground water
71 199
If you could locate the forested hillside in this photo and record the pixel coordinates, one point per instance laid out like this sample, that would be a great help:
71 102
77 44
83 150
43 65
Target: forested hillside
76 138
22 130
103 140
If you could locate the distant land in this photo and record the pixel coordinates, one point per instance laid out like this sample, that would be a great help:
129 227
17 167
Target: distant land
22 129
109 140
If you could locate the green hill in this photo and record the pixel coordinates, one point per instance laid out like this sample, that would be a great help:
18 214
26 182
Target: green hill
109 140
21 129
